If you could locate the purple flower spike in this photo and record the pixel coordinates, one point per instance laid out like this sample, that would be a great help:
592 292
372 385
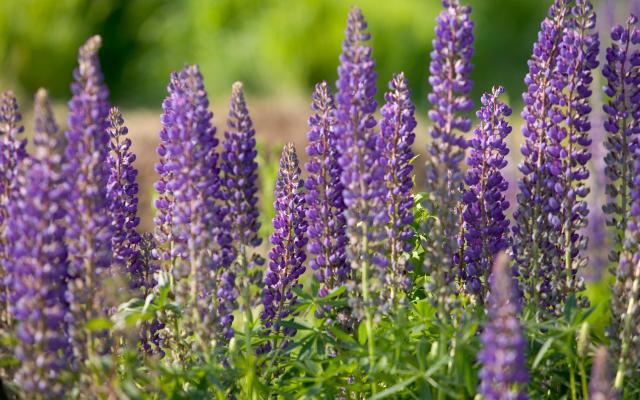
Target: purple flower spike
397 129
193 243
12 153
37 264
449 77
535 250
503 372
485 225
123 202
287 256
239 185
622 124
600 387
362 176
325 212
88 224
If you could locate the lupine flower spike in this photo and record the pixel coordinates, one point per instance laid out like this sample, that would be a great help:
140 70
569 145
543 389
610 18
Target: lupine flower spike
12 153
503 372
238 169
122 191
622 71
567 159
485 225
325 205
193 245
362 177
37 263
600 387
89 229
534 251
625 296
397 130
449 77
287 256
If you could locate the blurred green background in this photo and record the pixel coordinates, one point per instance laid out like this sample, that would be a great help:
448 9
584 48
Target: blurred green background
277 47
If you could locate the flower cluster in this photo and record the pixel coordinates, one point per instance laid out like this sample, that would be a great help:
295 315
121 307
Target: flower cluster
450 71
623 123
397 129
122 192
193 244
504 369
37 264
360 159
89 230
238 169
325 205
12 152
485 224
287 256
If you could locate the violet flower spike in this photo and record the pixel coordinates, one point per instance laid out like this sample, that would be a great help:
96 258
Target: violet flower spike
622 124
12 153
287 256
360 158
449 77
567 150
397 129
503 374
89 231
534 251
122 191
325 205
485 225
193 243
37 264
238 168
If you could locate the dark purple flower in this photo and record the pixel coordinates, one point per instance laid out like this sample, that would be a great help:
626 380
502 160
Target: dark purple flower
567 149
12 153
362 176
503 373
325 205
88 224
239 188
397 129
122 191
535 233
287 256
600 386
193 244
37 264
623 124
485 225
449 77
150 339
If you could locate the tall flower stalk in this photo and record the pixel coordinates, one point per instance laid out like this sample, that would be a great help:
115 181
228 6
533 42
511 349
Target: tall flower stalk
122 191
600 387
622 71
287 256
362 176
397 129
503 374
193 245
451 84
568 149
89 230
325 204
12 153
534 250
37 265
485 225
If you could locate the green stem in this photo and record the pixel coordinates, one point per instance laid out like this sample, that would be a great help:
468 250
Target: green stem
572 380
583 379
367 308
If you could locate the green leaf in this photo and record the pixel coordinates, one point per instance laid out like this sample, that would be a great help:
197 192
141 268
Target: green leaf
98 324
543 350
362 333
